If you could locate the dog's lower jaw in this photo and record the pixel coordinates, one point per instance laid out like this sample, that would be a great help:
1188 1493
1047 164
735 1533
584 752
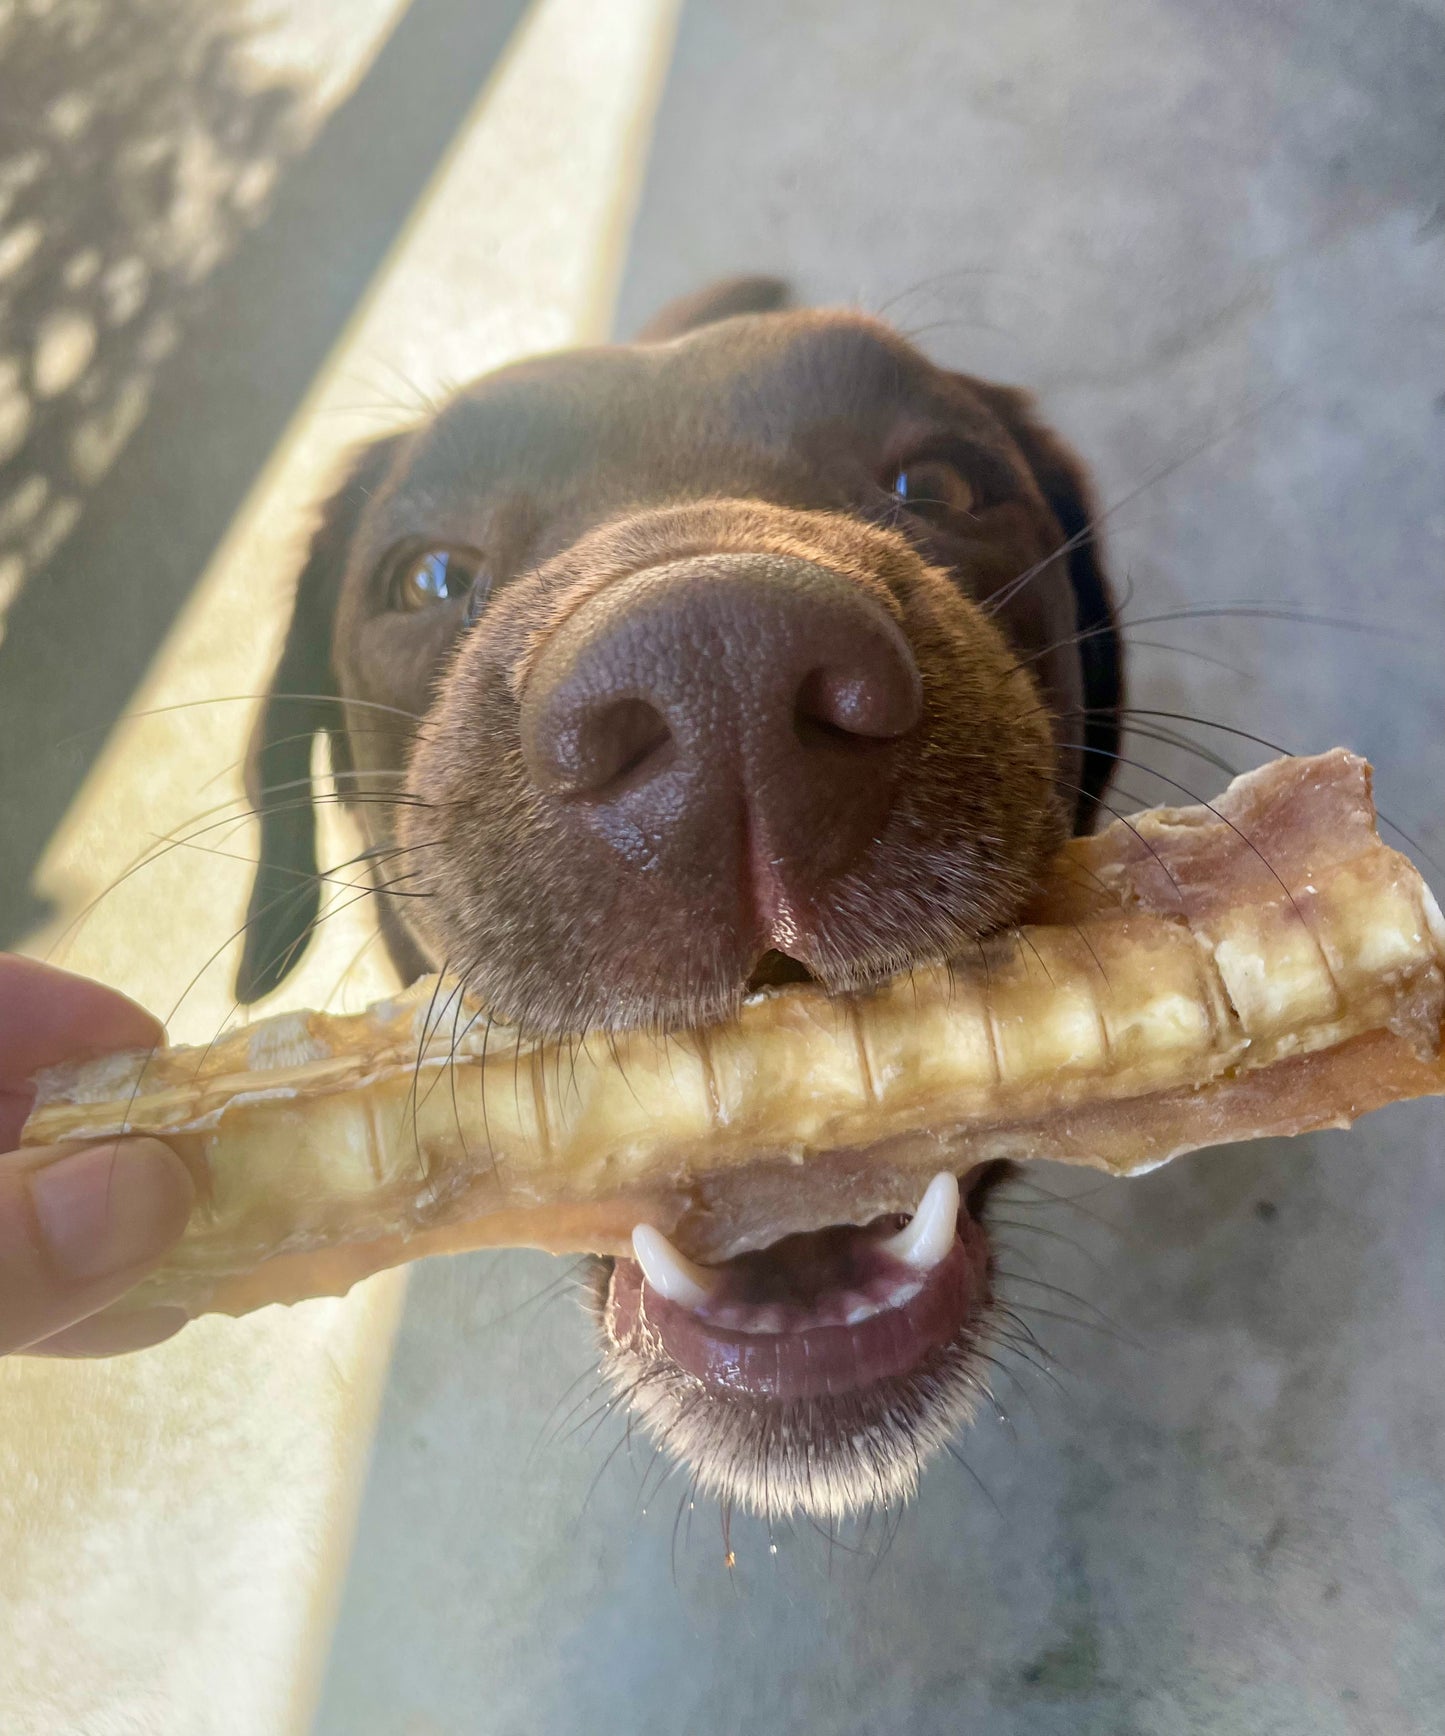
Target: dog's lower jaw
798 1451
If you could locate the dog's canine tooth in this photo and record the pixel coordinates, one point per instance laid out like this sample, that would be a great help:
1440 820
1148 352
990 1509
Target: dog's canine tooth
669 1272
929 1234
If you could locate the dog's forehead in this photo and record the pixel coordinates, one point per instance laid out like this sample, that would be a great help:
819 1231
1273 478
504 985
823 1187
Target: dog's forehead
771 406
771 381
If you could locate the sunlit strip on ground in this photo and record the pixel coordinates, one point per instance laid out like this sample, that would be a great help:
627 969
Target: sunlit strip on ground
173 1526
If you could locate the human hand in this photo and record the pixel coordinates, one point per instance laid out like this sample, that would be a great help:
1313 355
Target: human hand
78 1224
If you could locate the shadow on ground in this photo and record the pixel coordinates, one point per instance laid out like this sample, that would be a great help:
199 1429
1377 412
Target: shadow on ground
179 248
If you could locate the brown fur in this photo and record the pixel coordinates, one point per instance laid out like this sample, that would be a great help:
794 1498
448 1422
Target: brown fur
553 926
764 433
736 436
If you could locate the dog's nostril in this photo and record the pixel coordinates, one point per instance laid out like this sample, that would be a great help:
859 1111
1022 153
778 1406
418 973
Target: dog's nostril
878 703
735 720
613 742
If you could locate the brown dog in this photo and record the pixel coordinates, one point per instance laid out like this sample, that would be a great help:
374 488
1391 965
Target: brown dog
761 648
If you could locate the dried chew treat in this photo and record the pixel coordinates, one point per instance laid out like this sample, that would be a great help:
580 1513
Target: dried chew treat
1264 965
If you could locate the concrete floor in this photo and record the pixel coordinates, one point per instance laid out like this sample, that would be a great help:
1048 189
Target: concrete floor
1182 224
190 209
1210 234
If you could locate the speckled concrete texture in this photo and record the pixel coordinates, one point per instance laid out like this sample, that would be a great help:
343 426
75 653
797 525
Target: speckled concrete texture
1210 235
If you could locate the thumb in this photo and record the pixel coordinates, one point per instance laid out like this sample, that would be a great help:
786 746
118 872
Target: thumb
78 1227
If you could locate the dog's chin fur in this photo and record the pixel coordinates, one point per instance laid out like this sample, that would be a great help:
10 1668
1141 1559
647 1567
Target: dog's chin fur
820 1459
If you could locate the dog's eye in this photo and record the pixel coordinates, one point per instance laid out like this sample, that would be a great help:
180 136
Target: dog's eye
932 487
436 575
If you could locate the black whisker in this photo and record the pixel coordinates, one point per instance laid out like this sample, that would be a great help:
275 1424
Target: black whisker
245 699
1002 598
1185 742
1217 612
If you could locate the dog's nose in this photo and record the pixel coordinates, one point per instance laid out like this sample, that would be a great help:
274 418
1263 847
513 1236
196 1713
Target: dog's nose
726 715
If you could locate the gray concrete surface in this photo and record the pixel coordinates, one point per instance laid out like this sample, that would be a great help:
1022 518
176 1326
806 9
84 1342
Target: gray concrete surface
1182 223
184 230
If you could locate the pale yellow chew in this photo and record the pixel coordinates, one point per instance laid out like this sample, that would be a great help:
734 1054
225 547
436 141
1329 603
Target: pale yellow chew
1264 965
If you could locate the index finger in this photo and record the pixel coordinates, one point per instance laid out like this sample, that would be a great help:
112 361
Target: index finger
48 1015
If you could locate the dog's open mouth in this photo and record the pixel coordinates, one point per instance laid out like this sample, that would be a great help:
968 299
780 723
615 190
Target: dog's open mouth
816 1375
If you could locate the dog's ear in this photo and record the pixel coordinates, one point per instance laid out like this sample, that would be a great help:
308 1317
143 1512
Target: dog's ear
734 295
302 701
1065 485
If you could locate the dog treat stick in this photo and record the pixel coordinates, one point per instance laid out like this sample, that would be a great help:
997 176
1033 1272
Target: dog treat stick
1264 965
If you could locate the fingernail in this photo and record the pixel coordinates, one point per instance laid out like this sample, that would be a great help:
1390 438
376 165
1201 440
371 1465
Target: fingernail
113 1334
111 1206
